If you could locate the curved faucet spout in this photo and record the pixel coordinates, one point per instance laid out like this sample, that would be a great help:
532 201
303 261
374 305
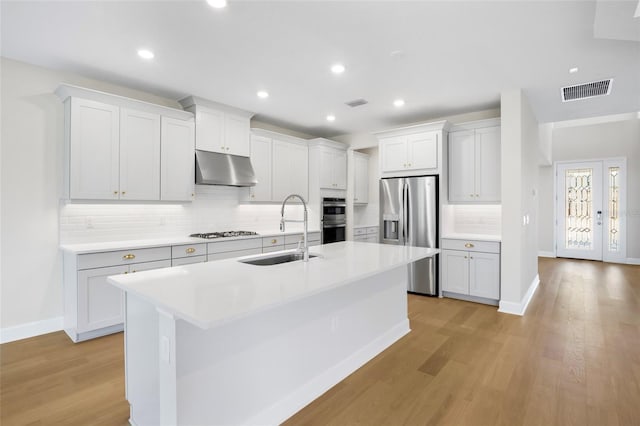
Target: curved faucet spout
283 221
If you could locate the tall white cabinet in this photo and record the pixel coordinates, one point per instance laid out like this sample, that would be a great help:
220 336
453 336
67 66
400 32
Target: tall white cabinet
330 161
360 178
474 162
114 148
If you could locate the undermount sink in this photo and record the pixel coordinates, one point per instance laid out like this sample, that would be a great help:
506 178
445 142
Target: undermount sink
276 259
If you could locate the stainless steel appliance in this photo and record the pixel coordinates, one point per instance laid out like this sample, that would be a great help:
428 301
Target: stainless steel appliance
409 216
334 220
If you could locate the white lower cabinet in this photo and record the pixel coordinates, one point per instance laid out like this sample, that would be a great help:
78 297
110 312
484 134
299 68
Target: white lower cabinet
471 270
368 234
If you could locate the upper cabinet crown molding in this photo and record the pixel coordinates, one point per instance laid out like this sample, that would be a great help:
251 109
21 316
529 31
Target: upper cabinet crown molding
443 125
328 143
65 91
275 135
478 124
191 101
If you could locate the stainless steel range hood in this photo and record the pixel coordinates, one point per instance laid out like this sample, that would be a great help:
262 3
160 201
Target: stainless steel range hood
213 168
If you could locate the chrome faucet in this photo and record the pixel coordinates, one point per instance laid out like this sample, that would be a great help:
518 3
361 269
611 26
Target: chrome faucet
305 250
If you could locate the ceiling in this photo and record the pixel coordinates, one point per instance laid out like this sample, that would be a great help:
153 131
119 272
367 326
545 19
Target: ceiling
442 58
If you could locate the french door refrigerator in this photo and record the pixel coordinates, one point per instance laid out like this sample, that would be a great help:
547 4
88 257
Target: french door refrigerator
409 216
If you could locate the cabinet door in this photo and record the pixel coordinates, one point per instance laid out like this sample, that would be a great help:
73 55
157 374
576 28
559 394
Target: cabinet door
177 160
340 169
210 130
487 164
327 158
455 271
393 152
422 151
237 134
290 170
261 161
361 179
484 275
139 155
94 150
100 304
462 166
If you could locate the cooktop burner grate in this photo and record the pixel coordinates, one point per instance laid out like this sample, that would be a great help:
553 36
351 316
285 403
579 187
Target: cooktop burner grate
226 234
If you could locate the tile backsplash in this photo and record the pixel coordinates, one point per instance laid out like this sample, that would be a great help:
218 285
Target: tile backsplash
472 219
216 208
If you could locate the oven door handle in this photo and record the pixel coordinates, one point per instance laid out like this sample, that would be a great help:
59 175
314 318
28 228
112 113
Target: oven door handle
334 225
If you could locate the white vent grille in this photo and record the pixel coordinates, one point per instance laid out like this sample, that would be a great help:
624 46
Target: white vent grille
357 103
586 90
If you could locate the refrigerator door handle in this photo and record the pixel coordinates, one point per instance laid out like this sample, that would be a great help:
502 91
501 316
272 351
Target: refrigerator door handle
405 213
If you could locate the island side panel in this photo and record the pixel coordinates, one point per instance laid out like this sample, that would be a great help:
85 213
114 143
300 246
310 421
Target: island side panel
264 368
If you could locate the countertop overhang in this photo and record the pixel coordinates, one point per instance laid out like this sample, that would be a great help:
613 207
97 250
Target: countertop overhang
213 293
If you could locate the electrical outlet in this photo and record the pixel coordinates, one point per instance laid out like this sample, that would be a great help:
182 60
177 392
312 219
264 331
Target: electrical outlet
88 222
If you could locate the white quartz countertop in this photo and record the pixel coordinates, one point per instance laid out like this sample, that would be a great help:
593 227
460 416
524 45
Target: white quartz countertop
97 247
479 237
213 293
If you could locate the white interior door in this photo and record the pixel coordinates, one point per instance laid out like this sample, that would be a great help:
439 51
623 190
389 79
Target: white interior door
579 210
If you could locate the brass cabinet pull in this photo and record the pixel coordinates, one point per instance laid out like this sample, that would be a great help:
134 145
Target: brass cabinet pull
126 272
465 257
115 192
409 164
123 192
128 256
222 147
190 250
274 241
469 245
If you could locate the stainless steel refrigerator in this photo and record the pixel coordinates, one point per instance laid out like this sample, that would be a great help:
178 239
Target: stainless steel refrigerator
409 216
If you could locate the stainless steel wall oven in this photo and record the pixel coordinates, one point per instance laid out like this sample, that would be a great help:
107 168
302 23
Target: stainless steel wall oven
334 220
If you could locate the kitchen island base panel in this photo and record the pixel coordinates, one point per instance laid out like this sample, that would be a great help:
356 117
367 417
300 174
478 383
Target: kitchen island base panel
263 368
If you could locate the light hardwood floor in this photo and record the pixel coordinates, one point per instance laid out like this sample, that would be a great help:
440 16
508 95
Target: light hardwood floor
573 359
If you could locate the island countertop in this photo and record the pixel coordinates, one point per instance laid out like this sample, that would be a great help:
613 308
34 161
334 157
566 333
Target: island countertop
213 293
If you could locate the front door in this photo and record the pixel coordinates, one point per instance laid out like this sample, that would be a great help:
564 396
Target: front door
590 198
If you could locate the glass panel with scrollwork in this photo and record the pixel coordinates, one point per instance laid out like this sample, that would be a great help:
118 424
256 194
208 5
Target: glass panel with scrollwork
579 209
614 211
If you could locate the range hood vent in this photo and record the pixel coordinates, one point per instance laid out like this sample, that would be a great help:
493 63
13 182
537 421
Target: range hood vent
213 168
586 90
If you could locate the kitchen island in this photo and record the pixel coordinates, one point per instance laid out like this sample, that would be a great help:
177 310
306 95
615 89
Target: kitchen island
228 342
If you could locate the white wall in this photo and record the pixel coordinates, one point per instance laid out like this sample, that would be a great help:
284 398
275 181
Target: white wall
519 149
34 222
582 141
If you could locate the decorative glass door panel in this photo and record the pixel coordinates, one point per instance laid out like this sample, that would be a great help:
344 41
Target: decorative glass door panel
580 216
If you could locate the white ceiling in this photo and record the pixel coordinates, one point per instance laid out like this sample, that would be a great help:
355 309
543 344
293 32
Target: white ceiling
451 57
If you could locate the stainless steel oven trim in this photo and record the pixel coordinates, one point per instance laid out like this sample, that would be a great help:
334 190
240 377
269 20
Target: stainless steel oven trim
334 225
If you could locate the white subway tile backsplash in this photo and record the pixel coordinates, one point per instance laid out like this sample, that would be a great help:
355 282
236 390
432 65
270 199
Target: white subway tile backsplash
474 219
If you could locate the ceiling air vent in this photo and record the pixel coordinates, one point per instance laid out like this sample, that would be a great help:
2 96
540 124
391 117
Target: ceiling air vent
586 90
357 103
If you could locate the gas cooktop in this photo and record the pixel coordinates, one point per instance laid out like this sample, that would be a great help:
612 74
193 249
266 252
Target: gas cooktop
226 234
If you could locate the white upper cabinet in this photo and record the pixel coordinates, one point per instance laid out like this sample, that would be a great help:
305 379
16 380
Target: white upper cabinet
220 128
411 151
333 167
139 155
474 165
262 162
120 148
177 162
360 178
93 150
290 169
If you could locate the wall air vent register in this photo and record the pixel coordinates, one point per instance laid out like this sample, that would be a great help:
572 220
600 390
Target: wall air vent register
586 90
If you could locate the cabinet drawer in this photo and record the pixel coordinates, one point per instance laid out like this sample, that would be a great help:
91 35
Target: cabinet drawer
372 230
232 254
188 250
188 260
294 238
471 245
273 242
359 231
123 257
235 245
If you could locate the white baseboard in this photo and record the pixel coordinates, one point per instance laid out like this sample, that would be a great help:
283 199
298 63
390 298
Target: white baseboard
546 254
520 308
290 405
30 329
633 261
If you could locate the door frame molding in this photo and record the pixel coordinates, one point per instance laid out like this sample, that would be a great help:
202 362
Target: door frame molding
606 257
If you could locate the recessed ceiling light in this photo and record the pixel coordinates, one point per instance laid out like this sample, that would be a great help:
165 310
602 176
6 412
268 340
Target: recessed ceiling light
218 4
263 94
398 103
573 70
337 68
145 54
331 117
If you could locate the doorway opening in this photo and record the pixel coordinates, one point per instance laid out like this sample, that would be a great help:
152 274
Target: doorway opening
590 209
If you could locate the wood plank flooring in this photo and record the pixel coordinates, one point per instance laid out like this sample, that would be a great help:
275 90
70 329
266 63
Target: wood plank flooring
573 359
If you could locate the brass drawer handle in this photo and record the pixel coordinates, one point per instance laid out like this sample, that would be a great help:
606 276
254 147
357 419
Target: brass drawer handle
274 241
190 250
128 256
469 245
